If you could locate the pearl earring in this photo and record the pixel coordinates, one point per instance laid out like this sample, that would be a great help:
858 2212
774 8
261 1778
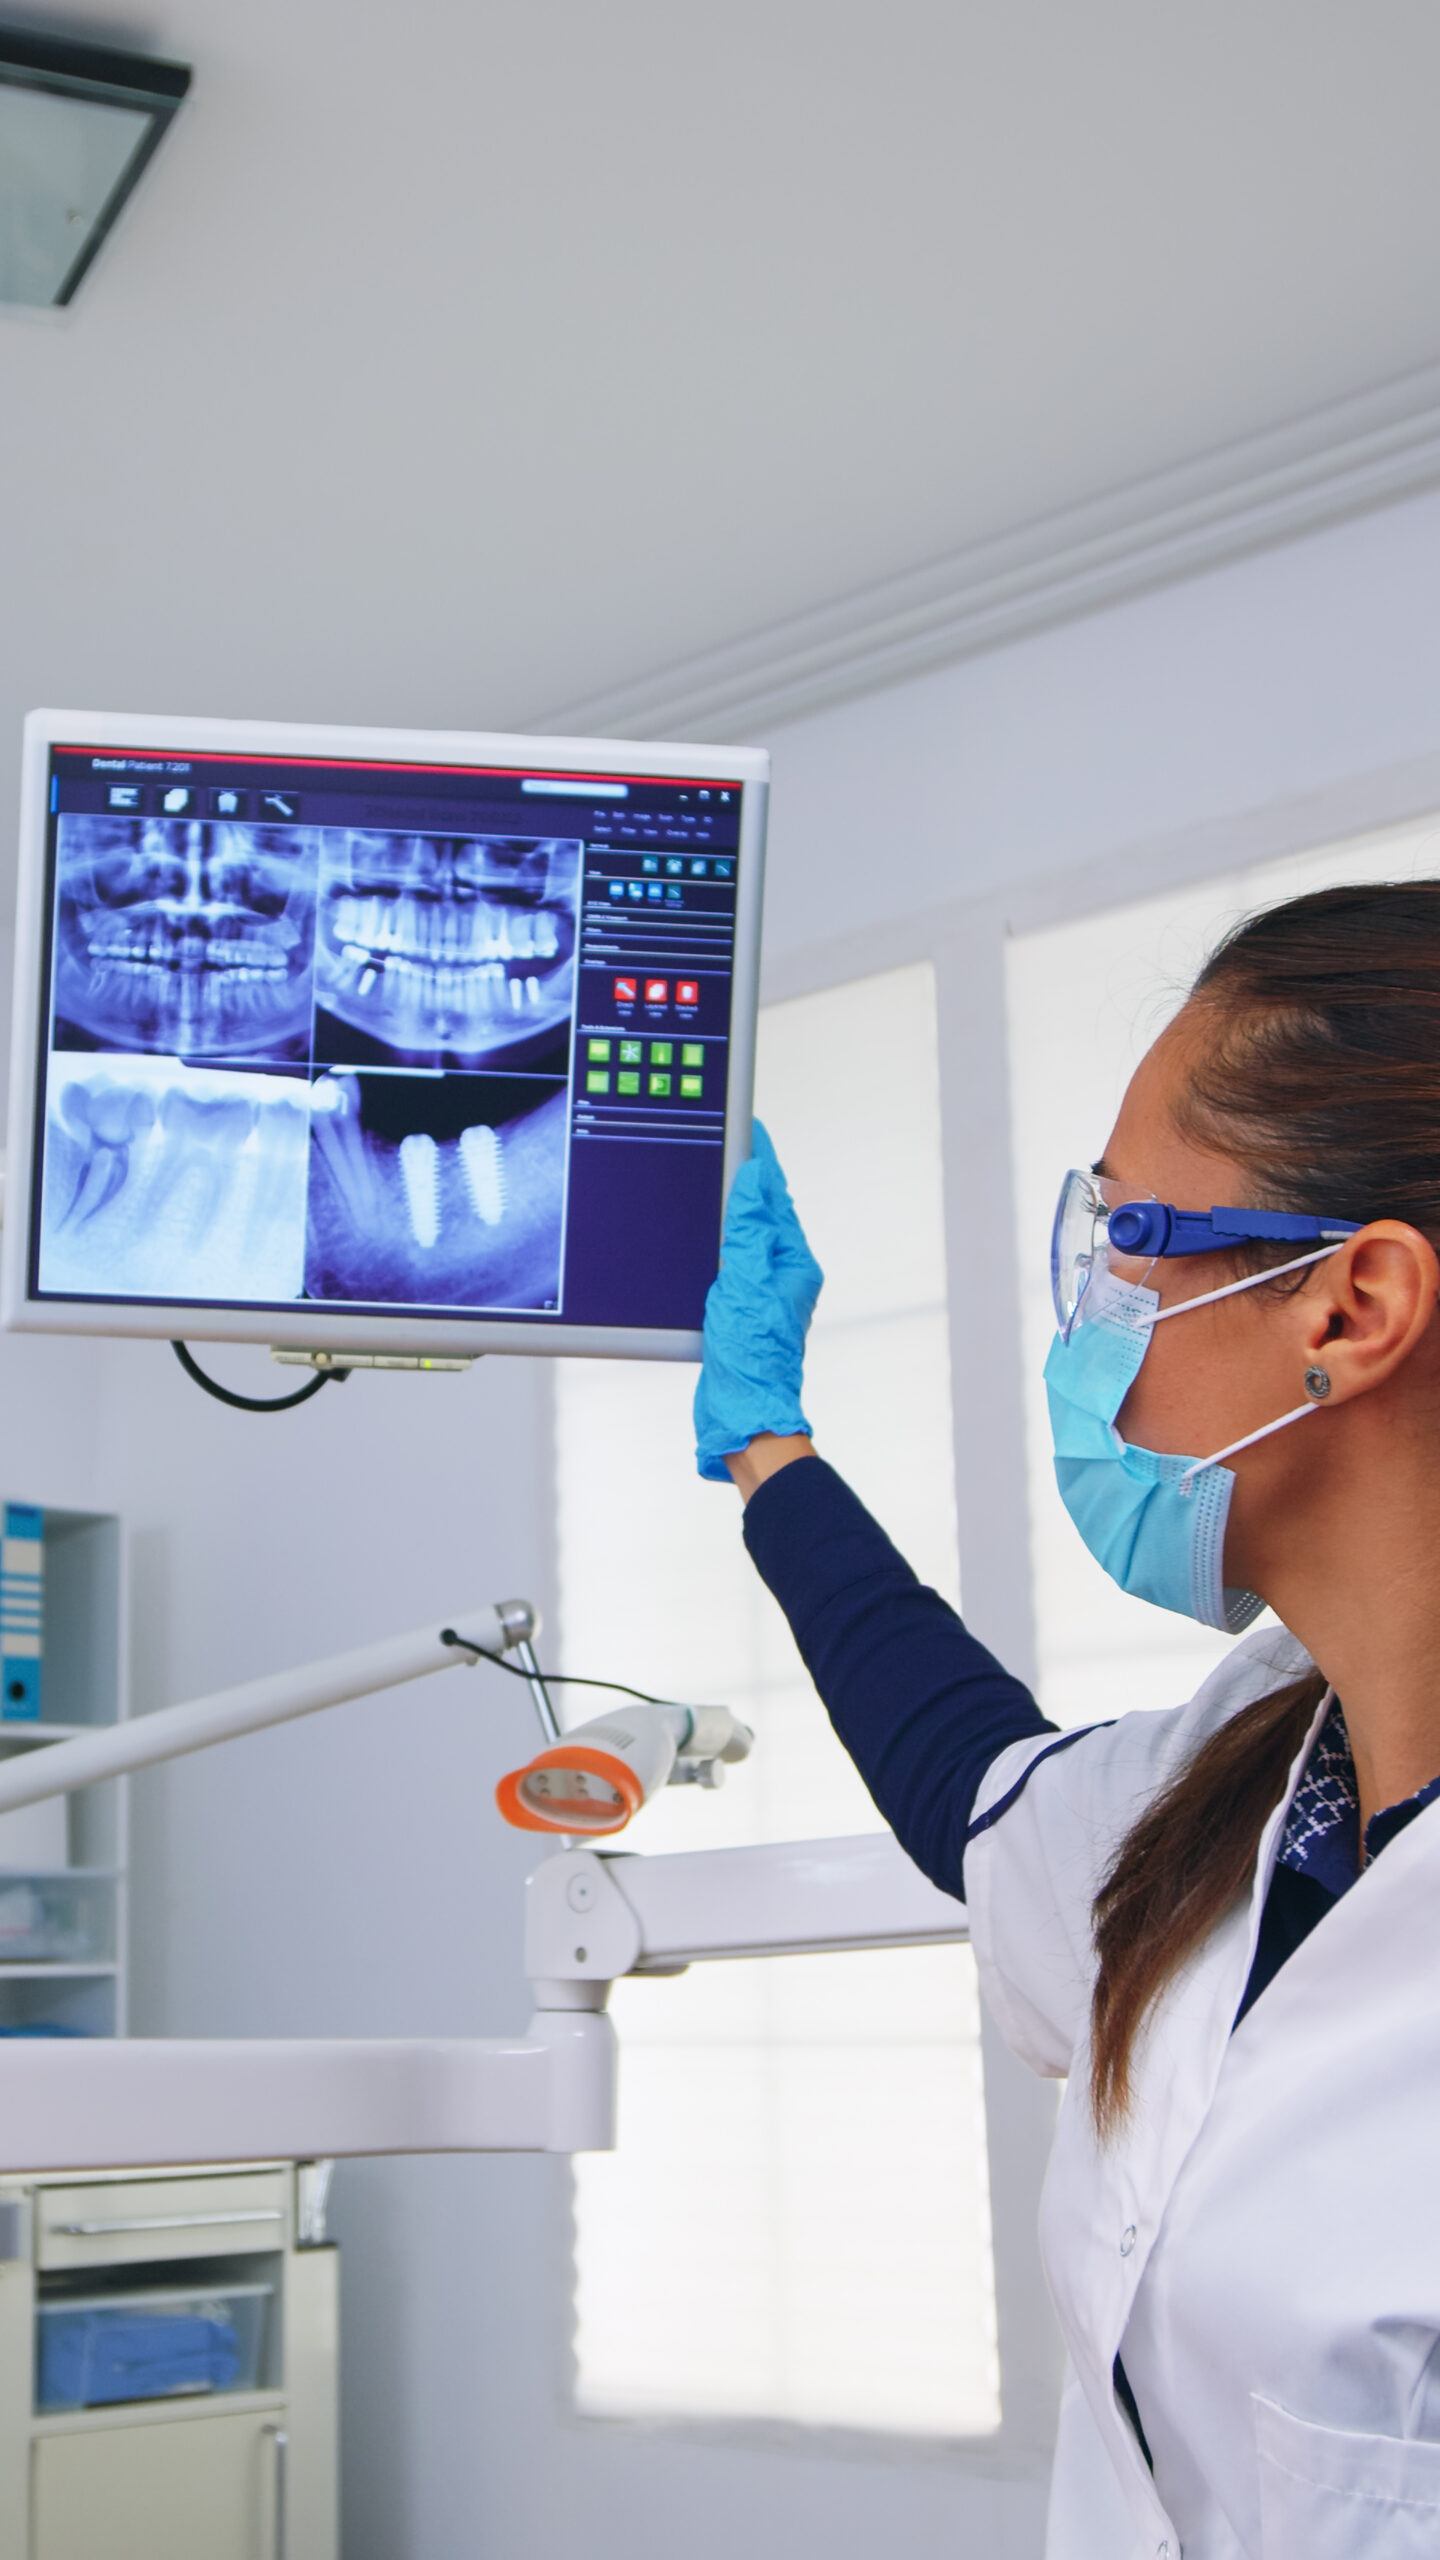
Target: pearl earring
1317 1383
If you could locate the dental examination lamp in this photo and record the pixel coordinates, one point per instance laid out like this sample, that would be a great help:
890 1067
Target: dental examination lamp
593 1780
108 2103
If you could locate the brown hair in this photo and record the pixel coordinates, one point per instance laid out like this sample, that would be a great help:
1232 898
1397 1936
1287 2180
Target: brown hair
1319 1075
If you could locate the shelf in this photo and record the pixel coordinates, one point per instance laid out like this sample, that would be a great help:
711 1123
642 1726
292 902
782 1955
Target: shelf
58 1875
173 2405
39 1970
19 1729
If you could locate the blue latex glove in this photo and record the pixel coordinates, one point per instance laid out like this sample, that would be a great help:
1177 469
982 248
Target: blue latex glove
756 1316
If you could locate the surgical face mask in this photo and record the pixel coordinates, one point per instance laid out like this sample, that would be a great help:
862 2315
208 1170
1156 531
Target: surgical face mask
1156 1523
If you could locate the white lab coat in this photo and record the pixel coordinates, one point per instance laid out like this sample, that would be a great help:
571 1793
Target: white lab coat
1261 2241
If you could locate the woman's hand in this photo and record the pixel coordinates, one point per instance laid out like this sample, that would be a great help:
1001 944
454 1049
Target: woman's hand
756 1318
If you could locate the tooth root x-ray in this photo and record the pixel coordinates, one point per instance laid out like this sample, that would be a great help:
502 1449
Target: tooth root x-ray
445 948
442 1191
190 939
173 1181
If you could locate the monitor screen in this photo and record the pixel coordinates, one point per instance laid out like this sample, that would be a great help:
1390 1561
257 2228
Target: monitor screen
420 1041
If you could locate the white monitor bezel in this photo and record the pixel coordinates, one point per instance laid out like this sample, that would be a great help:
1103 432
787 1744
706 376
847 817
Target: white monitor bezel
328 1329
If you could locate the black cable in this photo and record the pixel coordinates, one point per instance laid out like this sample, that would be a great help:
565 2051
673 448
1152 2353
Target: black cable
255 1404
557 1679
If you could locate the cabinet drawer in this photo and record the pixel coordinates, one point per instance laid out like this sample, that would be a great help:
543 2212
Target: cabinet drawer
114 2225
210 2487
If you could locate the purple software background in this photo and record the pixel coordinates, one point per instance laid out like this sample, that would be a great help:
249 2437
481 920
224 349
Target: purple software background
643 1236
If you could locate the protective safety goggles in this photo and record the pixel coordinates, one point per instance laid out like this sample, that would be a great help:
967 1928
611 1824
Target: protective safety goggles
1095 1224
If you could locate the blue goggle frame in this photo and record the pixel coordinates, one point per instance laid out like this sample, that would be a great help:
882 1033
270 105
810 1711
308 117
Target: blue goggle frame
1088 1227
1153 1228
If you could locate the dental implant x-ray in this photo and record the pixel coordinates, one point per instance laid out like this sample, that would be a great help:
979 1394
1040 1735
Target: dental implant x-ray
445 951
167 1181
184 938
439 1190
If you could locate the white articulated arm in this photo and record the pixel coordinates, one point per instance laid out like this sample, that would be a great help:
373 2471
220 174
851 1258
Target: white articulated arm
170 1732
592 1916
101 2103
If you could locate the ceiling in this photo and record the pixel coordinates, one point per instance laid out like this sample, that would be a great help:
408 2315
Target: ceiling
453 363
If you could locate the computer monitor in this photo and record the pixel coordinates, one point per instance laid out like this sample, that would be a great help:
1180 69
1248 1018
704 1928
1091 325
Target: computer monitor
380 1041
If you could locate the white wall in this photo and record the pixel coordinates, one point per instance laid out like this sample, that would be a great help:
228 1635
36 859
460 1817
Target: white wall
1254 684
347 1875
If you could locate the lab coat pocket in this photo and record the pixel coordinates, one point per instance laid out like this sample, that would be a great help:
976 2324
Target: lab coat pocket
1329 2495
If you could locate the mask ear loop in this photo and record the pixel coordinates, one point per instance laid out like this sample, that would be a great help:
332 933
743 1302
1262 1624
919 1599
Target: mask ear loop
1256 1279
1267 1429
1233 1447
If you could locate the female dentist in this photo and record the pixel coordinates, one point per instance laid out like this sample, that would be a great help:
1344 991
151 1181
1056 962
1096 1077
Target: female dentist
1220 1922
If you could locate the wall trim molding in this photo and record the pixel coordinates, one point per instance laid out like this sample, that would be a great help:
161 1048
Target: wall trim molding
1338 461
1357 804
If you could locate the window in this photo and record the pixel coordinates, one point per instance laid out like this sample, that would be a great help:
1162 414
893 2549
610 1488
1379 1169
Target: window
796 2224
1084 1001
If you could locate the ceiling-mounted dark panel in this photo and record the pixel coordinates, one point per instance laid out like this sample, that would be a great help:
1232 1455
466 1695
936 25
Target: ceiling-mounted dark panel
78 124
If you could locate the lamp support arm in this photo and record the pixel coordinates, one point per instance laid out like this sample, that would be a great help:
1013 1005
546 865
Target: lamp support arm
167 1734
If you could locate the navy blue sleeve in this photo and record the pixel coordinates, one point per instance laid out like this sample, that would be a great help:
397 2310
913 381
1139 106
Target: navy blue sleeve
919 1704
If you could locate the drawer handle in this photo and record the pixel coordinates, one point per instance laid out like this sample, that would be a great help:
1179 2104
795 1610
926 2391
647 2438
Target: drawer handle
164 2222
279 2437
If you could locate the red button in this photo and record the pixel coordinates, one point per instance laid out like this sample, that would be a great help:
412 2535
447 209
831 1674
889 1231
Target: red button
657 990
624 990
687 991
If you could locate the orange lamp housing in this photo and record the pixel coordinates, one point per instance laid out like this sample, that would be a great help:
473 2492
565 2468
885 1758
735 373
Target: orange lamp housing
571 1787
594 1779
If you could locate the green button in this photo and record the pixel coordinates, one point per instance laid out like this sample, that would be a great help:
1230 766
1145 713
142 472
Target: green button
627 1081
659 1084
692 1087
597 1082
598 1049
662 1053
692 1053
632 1053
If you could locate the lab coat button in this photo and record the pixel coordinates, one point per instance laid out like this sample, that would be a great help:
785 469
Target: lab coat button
1127 2243
1162 2551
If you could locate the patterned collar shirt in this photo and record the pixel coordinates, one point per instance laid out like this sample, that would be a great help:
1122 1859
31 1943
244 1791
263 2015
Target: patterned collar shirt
1322 1833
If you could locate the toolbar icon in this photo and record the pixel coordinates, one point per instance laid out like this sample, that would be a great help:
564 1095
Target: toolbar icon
176 801
227 802
279 804
123 795
687 991
625 990
657 990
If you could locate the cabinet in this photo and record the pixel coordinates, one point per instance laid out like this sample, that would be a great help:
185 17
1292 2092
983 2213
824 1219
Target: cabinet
62 1864
246 2473
211 2486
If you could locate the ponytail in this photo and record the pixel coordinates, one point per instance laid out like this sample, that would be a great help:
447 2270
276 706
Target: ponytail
1184 1864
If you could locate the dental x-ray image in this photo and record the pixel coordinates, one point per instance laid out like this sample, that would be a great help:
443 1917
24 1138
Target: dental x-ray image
167 1181
443 1191
446 951
193 940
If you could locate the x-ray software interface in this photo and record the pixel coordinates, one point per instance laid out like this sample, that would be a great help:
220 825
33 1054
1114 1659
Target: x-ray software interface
382 1036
